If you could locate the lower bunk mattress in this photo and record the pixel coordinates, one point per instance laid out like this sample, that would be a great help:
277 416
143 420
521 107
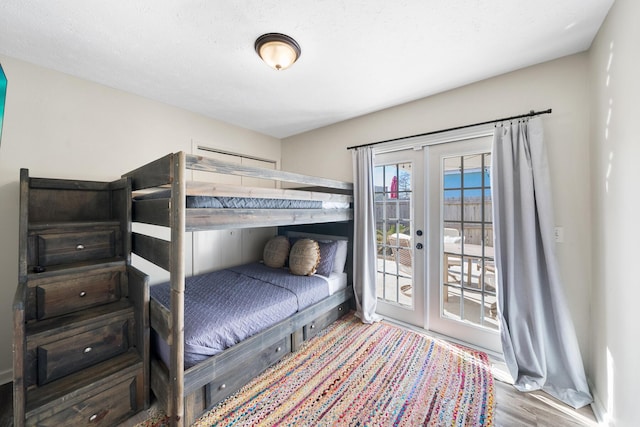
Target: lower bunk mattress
225 307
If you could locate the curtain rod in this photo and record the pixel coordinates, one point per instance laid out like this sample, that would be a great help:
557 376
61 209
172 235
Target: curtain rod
504 119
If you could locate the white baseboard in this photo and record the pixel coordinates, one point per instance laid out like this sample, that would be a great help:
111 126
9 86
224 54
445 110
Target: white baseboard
599 410
6 376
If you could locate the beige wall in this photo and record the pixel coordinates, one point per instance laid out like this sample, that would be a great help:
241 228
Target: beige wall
62 127
614 62
561 85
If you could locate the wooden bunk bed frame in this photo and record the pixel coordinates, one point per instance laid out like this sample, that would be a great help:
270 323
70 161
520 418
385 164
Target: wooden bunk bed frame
186 394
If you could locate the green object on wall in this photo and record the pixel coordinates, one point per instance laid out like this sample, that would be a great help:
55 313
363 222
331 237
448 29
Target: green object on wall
3 97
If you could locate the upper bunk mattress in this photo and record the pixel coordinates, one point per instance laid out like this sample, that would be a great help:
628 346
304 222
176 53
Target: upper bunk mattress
225 307
217 202
250 203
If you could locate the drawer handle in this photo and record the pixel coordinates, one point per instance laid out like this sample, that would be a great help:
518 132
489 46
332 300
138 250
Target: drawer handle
83 293
278 350
339 308
222 387
312 326
93 417
87 350
79 247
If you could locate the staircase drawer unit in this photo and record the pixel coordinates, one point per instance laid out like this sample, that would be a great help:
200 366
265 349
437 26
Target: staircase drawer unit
113 399
63 357
81 310
103 409
76 246
58 295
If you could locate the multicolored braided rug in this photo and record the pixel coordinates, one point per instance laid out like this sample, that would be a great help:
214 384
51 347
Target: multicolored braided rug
365 375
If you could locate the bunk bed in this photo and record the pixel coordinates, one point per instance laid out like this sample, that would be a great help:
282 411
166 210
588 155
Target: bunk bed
164 196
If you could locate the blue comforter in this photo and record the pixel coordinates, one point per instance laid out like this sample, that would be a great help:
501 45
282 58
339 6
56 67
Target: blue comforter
225 307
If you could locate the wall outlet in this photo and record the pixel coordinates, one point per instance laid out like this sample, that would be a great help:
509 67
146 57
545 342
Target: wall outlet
559 234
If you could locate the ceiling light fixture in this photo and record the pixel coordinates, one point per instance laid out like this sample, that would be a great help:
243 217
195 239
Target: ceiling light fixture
278 51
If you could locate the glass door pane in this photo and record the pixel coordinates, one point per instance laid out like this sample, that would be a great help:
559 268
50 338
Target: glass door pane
468 284
393 228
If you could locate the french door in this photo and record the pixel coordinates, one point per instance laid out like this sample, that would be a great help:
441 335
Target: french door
399 185
435 240
461 275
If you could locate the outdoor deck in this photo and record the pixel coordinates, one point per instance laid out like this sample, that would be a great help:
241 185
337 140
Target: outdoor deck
398 289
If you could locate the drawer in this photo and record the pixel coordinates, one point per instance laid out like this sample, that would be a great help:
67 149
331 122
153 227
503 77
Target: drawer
313 328
106 408
234 378
65 248
72 293
65 356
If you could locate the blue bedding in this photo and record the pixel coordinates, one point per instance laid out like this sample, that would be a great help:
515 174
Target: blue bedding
250 203
225 307
236 202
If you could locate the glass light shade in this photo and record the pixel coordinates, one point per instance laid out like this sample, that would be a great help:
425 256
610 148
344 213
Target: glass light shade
277 50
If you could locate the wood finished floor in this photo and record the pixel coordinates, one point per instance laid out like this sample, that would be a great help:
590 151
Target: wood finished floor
513 409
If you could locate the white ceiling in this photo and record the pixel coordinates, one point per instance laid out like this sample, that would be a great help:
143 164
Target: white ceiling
358 56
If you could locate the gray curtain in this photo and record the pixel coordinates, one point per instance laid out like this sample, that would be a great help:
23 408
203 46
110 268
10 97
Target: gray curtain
364 235
538 337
